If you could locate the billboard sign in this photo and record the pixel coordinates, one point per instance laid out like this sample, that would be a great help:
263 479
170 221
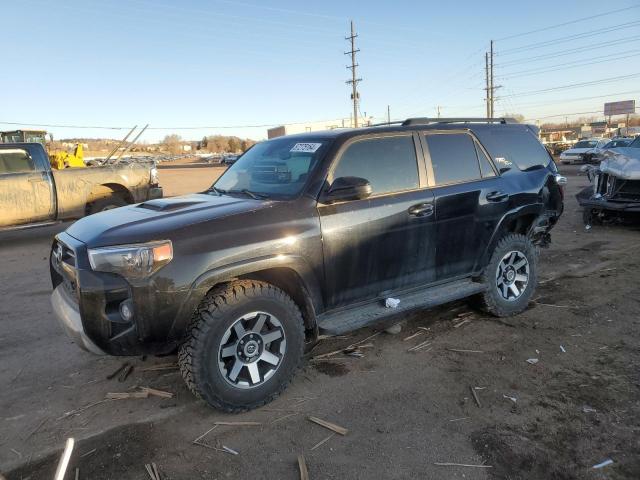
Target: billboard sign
619 108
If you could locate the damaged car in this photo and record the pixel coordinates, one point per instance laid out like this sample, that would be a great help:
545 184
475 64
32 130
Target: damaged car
615 185
308 234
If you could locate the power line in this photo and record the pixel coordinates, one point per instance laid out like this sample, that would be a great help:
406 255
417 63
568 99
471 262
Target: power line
565 66
562 53
572 85
543 29
569 100
568 38
564 115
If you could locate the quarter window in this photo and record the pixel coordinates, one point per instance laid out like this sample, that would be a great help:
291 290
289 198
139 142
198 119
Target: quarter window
485 164
453 157
15 160
388 163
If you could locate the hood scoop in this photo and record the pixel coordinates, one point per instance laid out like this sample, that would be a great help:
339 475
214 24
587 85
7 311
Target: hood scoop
167 205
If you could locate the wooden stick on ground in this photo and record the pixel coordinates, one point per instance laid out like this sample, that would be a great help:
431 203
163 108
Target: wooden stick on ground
331 426
464 351
302 466
475 396
322 442
448 464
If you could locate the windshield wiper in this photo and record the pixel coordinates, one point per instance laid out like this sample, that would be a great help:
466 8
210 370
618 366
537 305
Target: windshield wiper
217 190
254 195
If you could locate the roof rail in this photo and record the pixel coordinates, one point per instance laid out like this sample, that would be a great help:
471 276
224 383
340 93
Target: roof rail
424 121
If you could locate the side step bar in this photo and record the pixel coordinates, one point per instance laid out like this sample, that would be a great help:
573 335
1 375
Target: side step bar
28 226
348 319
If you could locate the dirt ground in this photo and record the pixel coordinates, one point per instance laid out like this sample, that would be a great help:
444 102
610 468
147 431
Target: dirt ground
578 406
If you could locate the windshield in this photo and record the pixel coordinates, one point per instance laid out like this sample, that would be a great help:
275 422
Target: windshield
586 144
635 143
273 169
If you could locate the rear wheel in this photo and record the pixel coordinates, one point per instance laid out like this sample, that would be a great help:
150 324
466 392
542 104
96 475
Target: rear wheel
510 276
245 344
104 204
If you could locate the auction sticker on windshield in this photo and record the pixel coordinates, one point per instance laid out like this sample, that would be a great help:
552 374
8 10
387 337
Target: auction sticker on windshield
306 147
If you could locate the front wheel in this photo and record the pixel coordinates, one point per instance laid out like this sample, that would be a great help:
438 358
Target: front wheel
510 276
245 344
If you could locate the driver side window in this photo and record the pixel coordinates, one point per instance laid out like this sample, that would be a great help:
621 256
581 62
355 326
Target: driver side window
388 163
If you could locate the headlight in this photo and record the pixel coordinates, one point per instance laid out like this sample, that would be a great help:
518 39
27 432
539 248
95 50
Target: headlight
132 261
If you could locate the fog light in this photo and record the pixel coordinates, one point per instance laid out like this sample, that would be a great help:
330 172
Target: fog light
126 310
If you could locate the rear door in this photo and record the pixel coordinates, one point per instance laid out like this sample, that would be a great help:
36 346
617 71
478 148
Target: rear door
386 242
25 188
470 200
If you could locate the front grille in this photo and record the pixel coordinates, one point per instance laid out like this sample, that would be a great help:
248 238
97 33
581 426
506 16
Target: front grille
63 260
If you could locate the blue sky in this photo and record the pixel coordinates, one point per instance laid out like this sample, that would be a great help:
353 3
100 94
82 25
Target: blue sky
236 63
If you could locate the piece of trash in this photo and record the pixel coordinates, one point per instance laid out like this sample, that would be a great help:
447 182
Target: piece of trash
420 332
562 349
532 361
116 372
302 467
466 320
513 399
537 351
156 393
608 461
475 396
229 450
449 464
64 460
588 409
462 350
392 302
393 329
152 470
331 426
125 373
420 346
126 395
322 442
587 227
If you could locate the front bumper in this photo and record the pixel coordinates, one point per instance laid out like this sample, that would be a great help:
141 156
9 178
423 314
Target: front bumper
68 315
587 199
155 192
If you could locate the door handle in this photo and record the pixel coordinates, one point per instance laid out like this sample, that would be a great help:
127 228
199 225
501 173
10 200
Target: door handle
497 196
421 210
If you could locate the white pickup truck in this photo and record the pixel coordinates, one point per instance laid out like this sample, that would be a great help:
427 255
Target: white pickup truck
33 194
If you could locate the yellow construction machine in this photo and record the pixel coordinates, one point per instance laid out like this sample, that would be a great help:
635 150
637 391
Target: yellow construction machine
58 159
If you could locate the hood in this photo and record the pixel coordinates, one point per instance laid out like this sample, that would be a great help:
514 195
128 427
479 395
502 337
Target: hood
156 219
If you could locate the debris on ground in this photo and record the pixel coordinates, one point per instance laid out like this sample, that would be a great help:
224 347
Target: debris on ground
532 361
331 426
322 442
142 392
466 320
513 399
239 424
420 346
392 302
449 464
410 337
302 467
461 350
347 349
475 396
125 373
88 453
588 409
159 367
608 461
117 371
64 459
562 349
393 329
152 470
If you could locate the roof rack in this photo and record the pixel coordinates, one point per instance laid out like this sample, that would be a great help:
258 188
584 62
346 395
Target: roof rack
423 121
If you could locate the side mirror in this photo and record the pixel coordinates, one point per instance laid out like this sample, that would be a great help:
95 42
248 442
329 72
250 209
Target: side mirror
348 188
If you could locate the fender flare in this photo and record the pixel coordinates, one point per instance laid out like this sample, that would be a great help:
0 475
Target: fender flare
536 209
209 279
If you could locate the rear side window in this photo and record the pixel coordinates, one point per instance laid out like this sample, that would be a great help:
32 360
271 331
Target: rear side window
516 145
485 164
15 160
388 163
453 158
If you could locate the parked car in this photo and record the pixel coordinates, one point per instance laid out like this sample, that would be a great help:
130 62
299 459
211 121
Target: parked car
311 233
575 154
595 155
34 194
229 159
615 185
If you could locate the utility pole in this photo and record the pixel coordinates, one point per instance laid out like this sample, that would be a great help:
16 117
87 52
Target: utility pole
354 78
388 115
438 110
491 81
486 81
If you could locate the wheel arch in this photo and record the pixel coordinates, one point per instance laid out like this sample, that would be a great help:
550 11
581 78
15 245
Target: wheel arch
290 273
104 190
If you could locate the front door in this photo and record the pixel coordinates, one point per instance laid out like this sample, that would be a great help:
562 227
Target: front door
469 200
383 243
25 189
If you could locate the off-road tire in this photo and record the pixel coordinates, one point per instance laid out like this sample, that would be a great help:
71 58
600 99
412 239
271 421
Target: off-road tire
221 307
102 204
491 301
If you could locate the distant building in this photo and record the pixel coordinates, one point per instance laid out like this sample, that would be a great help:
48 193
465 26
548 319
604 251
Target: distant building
313 126
186 148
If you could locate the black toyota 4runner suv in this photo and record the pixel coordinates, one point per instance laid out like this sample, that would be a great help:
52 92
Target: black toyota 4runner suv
309 233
